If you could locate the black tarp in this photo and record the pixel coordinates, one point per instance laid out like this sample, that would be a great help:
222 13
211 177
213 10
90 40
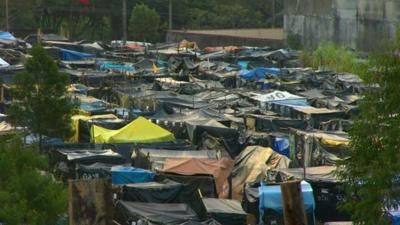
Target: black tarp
154 159
203 183
276 124
228 136
126 149
64 161
225 211
250 201
153 213
93 171
165 191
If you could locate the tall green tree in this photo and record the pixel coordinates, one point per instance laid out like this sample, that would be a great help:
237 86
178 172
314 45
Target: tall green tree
371 174
144 24
39 97
27 196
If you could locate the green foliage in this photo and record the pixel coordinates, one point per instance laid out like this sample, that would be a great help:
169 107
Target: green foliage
371 174
144 23
39 97
336 58
26 196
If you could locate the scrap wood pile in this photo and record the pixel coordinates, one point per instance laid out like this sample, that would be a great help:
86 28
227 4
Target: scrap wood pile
199 136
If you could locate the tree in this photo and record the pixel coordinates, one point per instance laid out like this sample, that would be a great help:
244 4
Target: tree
26 196
144 23
39 98
371 174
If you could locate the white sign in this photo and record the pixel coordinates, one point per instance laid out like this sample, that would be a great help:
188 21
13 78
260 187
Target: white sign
277 96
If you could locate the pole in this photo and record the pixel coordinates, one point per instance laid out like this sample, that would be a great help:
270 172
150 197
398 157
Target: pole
124 23
293 206
273 13
170 14
7 17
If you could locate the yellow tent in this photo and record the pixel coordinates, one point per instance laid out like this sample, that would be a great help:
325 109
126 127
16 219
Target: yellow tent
75 123
138 131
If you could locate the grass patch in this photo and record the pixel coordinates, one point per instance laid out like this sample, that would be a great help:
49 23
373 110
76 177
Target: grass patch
337 58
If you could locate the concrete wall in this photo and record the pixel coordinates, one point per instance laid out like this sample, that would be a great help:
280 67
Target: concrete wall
358 24
240 37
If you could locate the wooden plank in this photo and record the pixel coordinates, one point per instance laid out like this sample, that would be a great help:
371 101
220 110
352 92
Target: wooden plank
293 205
90 202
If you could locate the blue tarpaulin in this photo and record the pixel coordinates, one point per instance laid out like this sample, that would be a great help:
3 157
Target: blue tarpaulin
115 67
69 55
126 175
260 73
271 198
281 146
243 64
7 36
394 216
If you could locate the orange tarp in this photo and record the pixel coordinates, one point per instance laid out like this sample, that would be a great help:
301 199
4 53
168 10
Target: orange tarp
219 169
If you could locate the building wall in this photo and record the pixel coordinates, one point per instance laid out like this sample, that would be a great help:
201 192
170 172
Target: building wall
238 37
357 24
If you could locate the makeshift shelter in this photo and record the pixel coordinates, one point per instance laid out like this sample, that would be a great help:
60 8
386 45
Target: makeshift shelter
219 169
138 131
76 124
271 206
127 174
64 161
69 55
251 164
225 211
317 148
203 183
326 189
228 136
93 171
165 191
155 159
128 213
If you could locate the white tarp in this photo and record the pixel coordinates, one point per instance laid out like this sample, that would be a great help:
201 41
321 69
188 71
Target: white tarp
3 64
277 96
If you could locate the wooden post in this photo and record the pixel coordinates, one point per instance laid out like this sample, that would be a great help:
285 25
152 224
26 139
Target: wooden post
7 17
124 23
90 202
293 205
170 15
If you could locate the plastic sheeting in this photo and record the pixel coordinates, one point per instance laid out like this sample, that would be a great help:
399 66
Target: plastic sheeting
138 131
3 64
125 175
270 197
7 37
281 97
166 191
252 162
220 169
281 146
69 55
93 171
260 73
153 213
154 159
225 211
